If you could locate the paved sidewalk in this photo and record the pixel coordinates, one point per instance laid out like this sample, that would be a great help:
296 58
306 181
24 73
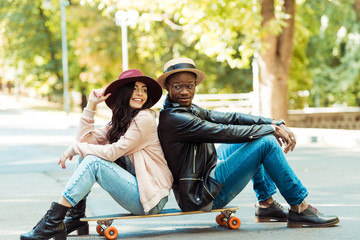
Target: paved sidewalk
32 139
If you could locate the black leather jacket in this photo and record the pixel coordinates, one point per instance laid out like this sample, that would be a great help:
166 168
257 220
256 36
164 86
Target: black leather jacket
187 137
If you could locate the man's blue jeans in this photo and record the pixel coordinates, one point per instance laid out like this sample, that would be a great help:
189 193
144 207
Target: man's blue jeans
264 162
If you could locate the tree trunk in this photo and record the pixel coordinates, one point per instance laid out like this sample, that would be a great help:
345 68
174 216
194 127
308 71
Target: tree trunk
83 96
274 62
357 9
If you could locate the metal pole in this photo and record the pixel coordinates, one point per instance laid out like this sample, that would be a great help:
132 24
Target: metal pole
17 88
256 86
64 57
125 58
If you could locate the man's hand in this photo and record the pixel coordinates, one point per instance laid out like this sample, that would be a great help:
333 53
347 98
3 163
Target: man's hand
96 96
285 137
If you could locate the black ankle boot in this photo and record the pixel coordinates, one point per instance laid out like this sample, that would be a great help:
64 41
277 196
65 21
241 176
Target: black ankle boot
72 219
51 225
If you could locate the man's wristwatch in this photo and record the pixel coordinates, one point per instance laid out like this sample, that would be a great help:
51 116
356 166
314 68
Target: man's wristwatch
278 123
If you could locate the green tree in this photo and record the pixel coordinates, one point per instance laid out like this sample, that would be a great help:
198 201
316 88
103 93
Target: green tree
228 32
32 44
332 51
320 41
94 49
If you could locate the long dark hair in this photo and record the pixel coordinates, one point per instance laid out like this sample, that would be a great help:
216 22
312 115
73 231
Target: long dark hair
123 113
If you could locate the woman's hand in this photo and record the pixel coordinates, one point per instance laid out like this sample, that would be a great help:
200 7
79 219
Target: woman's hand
66 155
285 137
96 96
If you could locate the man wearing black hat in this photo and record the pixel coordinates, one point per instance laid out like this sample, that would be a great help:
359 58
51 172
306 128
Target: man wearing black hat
207 178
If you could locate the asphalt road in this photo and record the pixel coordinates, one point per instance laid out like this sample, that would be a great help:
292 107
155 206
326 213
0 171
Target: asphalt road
31 142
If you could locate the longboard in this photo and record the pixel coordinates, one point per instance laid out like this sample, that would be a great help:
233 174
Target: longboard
104 228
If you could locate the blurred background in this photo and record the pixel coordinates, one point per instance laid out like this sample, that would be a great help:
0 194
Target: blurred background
295 60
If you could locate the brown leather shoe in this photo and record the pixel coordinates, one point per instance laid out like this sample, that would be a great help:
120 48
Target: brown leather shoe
276 212
310 217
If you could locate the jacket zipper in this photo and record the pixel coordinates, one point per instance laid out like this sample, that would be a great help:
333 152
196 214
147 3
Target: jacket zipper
190 179
194 159
208 191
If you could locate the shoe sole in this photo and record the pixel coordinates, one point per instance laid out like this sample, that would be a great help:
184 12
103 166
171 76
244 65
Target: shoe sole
301 224
270 219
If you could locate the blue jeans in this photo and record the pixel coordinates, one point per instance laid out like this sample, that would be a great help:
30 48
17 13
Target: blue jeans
264 162
119 183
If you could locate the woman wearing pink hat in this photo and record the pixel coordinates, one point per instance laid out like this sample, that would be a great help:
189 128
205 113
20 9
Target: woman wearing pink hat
124 157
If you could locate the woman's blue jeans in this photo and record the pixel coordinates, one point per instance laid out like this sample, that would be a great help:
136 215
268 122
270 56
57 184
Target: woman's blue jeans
264 162
119 183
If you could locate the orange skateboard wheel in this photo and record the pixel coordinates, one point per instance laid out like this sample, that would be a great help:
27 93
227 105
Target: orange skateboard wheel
111 232
99 230
220 220
234 223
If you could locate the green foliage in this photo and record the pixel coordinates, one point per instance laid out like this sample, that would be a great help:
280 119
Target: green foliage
95 48
300 79
31 44
167 29
221 36
333 50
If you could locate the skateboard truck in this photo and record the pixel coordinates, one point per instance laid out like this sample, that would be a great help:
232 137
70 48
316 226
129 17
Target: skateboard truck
104 228
227 217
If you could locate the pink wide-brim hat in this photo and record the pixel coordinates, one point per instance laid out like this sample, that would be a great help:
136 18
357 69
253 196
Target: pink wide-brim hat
133 75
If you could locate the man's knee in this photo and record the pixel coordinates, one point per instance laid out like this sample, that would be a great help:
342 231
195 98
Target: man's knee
269 140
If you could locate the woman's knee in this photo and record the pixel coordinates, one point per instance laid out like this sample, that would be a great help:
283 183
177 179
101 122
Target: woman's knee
90 159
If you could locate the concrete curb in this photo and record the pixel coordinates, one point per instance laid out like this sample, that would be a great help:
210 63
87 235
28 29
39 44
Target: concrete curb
328 137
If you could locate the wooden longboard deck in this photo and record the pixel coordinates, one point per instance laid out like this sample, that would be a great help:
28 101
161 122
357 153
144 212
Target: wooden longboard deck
163 213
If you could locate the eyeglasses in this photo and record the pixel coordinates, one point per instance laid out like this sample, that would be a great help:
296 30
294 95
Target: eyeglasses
178 87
